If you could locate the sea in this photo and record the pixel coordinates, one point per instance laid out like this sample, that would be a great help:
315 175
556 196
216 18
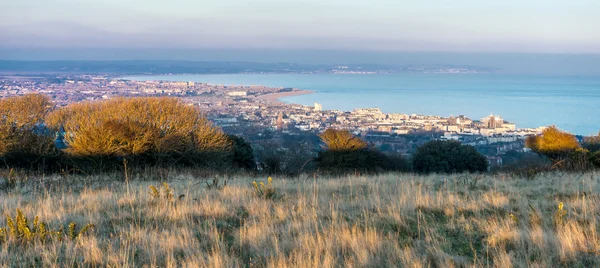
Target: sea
572 103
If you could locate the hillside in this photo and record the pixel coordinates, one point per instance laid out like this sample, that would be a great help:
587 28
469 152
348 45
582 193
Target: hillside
374 221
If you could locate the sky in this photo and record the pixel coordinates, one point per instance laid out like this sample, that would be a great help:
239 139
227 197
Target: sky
464 26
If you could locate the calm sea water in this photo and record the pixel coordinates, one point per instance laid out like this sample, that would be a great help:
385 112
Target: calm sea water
570 102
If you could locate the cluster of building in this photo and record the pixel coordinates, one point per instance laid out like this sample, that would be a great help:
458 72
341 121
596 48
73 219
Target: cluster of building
372 120
75 88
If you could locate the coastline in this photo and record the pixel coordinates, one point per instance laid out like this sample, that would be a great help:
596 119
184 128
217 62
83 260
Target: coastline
271 98
513 97
274 98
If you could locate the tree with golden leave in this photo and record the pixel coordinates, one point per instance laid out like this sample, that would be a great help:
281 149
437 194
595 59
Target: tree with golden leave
138 126
21 126
342 140
554 143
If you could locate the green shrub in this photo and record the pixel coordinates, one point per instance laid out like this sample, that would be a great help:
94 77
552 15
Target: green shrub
448 157
243 154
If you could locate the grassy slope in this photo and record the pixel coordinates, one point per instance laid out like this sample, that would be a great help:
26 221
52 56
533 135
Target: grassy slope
390 220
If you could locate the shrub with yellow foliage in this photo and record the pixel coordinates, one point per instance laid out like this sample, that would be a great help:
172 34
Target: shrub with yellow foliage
557 145
553 142
22 133
151 128
341 140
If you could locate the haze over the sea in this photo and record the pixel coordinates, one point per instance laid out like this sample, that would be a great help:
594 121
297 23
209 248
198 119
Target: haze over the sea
508 63
569 102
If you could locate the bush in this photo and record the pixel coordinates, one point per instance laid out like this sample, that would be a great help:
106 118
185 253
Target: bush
24 140
143 130
448 157
564 149
243 154
341 140
553 143
345 153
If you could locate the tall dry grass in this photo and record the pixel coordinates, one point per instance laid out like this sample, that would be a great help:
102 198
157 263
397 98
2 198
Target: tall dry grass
377 221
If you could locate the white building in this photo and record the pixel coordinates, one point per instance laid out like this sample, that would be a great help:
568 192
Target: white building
318 107
492 121
367 111
453 128
397 117
237 93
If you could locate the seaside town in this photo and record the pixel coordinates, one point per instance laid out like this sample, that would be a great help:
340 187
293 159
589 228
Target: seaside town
255 113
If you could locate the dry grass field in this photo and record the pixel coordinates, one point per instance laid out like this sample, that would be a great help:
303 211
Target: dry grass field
393 220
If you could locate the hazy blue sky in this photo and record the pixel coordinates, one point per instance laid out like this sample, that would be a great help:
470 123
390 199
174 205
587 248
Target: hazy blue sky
541 26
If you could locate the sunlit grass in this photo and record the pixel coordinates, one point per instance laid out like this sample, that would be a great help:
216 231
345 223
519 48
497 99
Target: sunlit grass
368 221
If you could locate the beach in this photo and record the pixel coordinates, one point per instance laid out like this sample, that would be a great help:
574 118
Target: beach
273 98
